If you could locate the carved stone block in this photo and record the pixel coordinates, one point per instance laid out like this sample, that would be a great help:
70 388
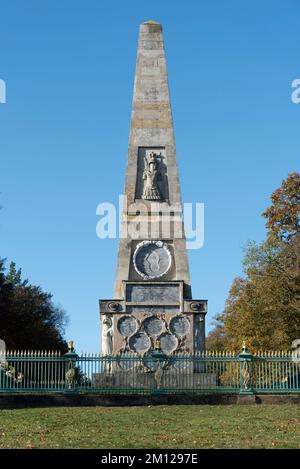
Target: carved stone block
149 293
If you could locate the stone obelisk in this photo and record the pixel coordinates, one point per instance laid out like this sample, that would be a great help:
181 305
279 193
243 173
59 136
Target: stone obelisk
152 300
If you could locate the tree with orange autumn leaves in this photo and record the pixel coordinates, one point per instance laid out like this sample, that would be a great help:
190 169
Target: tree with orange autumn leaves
263 306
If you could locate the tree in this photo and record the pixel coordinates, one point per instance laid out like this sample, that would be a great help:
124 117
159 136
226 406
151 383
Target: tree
216 339
283 215
263 306
28 317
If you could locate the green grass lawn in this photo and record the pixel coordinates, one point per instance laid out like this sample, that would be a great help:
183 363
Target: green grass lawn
254 426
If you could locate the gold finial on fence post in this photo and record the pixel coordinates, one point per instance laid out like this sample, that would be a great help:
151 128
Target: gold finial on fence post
157 344
244 348
71 346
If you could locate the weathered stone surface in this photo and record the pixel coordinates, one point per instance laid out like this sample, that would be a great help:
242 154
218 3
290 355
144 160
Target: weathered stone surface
153 326
180 326
151 129
127 326
199 332
152 259
150 310
140 343
168 343
153 293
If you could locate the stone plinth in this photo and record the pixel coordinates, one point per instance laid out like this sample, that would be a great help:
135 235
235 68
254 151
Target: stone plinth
147 381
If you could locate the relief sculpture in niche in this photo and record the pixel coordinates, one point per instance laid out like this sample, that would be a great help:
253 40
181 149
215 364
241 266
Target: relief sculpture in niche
151 176
107 335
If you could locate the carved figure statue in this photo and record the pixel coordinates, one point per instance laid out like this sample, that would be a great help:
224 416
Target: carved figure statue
151 175
107 335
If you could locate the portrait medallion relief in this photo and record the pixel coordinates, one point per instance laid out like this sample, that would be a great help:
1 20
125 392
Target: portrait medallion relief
127 326
179 326
152 259
153 326
168 343
140 342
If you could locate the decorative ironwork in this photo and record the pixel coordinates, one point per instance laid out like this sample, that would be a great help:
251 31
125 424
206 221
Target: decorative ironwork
70 375
11 373
158 375
153 372
245 375
71 346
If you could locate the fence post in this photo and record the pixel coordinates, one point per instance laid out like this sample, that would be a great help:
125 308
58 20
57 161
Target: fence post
160 360
70 374
246 382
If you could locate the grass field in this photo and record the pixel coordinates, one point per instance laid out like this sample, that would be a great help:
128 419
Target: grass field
270 426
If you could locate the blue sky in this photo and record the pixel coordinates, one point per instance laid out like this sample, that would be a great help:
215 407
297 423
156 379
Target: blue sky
69 70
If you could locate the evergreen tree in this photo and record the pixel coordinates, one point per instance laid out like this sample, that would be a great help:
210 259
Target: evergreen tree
28 317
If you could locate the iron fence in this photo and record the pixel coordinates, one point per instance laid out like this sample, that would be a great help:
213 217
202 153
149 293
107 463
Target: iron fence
155 373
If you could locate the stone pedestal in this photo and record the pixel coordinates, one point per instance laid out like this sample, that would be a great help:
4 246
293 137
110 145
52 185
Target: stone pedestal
147 381
155 311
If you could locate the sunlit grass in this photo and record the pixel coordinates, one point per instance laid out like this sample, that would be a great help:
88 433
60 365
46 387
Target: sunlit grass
245 426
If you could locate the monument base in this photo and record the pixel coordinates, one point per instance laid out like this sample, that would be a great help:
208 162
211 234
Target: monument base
153 311
149 381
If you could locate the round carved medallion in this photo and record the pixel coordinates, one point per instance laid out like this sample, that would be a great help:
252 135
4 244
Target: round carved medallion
195 306
153 326
152 259
127 326
113 306
139 343
168 343
179 326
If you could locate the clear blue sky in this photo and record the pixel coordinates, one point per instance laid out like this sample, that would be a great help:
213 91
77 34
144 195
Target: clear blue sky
69 69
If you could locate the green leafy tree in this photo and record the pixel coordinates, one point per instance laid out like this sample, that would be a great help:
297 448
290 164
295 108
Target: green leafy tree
28 317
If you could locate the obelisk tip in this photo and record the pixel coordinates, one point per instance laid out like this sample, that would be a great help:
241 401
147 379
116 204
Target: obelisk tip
151 22
150 27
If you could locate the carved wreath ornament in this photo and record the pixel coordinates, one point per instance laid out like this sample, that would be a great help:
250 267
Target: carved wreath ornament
152 259
11 372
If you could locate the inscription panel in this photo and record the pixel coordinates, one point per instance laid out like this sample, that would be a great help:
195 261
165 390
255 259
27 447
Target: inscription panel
153 293
153 309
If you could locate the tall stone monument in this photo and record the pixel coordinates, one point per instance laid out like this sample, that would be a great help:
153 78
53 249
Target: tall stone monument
152 301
